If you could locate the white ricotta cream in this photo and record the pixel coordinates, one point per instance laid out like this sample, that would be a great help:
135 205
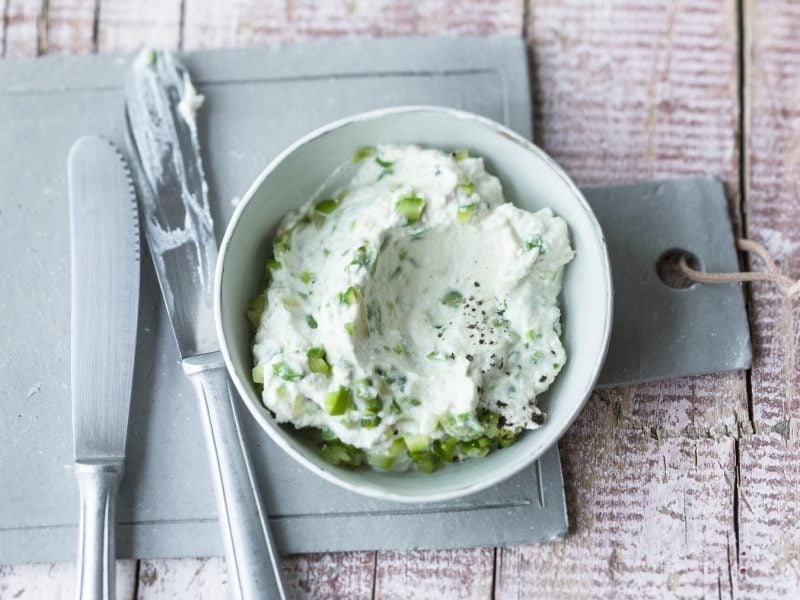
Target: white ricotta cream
412 316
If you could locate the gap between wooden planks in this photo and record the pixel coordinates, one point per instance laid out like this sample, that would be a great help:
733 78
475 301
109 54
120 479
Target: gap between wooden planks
628 90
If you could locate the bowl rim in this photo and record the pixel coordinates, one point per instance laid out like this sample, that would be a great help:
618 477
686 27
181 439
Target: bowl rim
244 393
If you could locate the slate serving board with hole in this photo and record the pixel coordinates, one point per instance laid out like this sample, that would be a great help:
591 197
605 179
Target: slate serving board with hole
257 102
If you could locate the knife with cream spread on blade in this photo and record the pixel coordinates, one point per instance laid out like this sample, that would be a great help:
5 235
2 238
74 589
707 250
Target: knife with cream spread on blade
104 232
161 103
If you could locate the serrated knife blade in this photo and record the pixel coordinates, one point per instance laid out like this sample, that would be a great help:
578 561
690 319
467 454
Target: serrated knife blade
104 233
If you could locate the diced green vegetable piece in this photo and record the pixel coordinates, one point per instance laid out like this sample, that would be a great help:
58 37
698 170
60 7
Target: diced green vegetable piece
397 448
399 349
475 448
311 321
556 366
464 426
386 164
468 187
281 391
289 302
326 206
255 308
258 374
348 296
531 334
317 362
445 448
452 298
273 265
464 213
362 153
281 245
411 208
417 442
306 277
374 405
328 435
316 353
348 327
340 454
370 421
426 462
505 437
381 461
461 154
319 365
338 401
284 371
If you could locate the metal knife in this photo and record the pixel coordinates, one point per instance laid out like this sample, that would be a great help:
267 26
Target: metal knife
161 103
104 232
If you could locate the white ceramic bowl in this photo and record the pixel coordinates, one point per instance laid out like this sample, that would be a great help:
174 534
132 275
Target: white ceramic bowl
530 179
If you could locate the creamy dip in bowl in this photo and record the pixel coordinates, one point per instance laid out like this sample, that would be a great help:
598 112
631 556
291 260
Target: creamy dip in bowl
460 274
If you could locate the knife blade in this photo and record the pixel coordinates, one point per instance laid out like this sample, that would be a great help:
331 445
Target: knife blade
104 233
160 104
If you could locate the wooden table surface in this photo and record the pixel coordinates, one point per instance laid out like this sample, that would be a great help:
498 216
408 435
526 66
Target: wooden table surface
681 488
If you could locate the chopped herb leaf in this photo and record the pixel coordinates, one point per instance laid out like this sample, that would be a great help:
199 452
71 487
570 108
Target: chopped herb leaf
348 327
537 243
284 371
348 296
311 321
468 187
306 277
452 298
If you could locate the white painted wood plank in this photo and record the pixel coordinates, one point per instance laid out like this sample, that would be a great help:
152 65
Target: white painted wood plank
56 581
126 26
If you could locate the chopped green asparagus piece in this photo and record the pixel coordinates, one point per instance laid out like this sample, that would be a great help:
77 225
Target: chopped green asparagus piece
306 277
255 308
381 461
284 371
464 213
311 321
317 362
461 154
258 374
468 187
417 442
326 206
445 448
374 405
348 327
426 462
337 402
340 454
273 265
362 153
411 208
348 296
476 447
370 421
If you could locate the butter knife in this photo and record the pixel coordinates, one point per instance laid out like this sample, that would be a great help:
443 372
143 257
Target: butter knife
161 104
104 233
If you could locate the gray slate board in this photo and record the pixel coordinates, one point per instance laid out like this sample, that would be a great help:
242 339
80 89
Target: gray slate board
258 101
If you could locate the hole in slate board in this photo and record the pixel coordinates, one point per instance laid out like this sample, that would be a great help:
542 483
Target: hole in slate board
669 270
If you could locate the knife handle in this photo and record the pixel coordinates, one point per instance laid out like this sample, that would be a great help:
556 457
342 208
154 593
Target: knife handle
98 482
251 558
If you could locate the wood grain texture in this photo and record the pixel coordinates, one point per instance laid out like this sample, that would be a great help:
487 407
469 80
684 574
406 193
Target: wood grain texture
70 27
246 22
56 581
347 575
773 205
443 574
22 28
625 91
649 518
769 517
126 26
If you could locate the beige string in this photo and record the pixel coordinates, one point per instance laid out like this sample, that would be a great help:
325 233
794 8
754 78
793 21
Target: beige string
773 274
